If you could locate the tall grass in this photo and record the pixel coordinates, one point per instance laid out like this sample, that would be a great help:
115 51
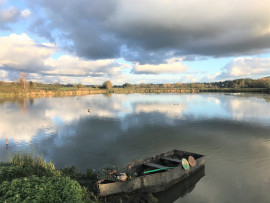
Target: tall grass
40 166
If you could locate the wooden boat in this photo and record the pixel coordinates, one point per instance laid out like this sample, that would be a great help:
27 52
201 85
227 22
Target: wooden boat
153 174
180 189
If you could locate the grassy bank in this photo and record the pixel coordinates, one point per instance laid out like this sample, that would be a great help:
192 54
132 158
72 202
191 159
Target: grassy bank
33 89
30 179
87 91
56 92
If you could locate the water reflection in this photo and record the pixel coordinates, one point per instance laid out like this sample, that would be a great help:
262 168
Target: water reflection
233 131
50 113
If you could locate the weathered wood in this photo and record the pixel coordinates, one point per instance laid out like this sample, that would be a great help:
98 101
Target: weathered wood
153 182
171 159
155 165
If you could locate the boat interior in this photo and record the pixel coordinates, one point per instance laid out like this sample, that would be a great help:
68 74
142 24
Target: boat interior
164 162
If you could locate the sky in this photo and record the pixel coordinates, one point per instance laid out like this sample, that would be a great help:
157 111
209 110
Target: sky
153 41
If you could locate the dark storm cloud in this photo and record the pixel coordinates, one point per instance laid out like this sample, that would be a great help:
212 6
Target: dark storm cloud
152 31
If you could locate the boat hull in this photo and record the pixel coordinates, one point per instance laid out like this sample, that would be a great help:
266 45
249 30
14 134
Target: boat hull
153 182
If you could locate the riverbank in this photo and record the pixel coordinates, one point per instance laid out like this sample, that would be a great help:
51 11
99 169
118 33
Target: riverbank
88 91
30 179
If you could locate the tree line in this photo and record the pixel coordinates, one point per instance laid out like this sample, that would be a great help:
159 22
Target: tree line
23 85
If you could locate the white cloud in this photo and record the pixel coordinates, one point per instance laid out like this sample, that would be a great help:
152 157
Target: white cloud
189 78
173 65
21 53
25 13
75 66
242 67
210 78
3 74
10 15
248 66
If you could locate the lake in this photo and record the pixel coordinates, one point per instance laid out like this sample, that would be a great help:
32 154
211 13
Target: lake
232 130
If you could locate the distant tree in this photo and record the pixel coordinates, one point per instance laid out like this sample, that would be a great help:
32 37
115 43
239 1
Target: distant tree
79 85
142 85
56 85
167 85
107 84
127 85
242 83
31 84
22 81
177 84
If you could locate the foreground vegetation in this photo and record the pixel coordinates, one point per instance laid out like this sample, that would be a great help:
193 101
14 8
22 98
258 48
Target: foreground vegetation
30 179
23 87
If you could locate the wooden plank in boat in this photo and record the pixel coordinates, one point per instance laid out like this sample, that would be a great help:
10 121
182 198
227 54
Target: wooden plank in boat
171 159
155 165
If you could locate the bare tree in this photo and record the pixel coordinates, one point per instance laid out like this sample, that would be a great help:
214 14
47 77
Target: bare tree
22 80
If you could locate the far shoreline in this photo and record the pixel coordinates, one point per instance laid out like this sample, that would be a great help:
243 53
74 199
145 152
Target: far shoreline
32 93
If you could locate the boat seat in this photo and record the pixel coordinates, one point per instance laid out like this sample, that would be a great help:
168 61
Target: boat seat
171 159
155 165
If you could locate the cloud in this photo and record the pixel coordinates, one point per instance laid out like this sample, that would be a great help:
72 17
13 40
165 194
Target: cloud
3 74
242 67
123 28
25 13
248 66
189 78
11 15
21 53
173 65
74 66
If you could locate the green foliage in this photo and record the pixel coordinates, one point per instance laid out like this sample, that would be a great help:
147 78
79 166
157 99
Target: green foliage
45 189
27 178
10 172
34 165
87 179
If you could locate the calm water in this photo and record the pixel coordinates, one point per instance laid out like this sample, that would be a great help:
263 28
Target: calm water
232 130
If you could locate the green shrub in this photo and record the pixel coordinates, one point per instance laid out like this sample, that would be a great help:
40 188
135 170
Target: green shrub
87 180
34 165
8 173
45 189
30 179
